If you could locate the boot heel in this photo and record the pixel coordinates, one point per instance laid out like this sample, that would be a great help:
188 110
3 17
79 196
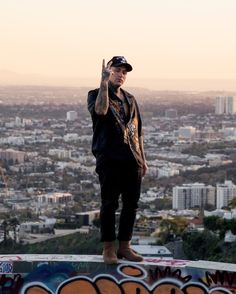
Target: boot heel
126 252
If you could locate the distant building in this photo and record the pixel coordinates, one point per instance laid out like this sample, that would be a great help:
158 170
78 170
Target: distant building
14 156
87 218
229 132
193 195
225 105
152 251
71 115
230 105
219 105
195 224
167 172
225 193
13 140
22 122
171 113
45 225
27 122
18 121
207 134
60 153
222 213
187 133
71 137
229 237
55 198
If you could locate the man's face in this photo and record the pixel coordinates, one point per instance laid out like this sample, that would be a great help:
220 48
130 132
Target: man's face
118 75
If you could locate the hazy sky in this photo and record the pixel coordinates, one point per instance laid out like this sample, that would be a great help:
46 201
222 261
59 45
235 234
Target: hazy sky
160 38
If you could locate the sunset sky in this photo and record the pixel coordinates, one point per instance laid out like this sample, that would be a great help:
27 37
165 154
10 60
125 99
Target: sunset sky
162 39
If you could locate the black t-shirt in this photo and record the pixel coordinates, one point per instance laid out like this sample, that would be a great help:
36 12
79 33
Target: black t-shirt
108 142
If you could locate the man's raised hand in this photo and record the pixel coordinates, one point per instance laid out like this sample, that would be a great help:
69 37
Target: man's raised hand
106 70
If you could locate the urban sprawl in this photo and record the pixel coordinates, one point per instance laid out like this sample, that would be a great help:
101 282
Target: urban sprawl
47 171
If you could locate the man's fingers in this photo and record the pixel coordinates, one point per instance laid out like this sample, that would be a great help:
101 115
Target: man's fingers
109 64
103 63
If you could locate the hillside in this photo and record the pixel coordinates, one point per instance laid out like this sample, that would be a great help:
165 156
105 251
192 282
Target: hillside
71 244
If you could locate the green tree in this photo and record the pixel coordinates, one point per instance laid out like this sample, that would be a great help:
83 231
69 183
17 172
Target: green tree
232 203
213 223
97 222
5 226
13 223
200 245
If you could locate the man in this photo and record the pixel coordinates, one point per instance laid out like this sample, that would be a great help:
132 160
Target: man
120 161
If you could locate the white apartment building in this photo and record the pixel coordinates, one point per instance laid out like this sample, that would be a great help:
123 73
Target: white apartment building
27 122
187 132
220 105
60 153
71 115
225 193
13 140
71 137
229 132
37 227
18 121
192 195
167 172
55 198
12 155
230 105
225 104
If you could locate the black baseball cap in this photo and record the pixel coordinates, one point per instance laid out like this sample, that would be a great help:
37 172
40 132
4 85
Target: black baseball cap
120 61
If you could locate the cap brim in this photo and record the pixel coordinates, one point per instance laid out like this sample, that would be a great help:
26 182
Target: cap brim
127 65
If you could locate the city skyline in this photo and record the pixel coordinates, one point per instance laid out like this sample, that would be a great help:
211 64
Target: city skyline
184 44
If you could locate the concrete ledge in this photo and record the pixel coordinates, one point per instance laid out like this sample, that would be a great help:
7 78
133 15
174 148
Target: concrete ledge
87 274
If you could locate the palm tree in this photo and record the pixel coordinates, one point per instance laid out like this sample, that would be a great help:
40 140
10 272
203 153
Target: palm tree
5 226
13 222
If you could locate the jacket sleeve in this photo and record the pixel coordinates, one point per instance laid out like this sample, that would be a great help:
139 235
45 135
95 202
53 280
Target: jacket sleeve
140 130
92 96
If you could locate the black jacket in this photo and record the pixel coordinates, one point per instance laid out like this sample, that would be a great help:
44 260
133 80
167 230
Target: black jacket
108 142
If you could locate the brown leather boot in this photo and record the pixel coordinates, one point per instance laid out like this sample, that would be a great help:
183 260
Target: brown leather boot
109 253
125 251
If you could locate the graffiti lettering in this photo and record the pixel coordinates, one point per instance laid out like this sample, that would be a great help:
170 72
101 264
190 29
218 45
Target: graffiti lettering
167 262
220 278
102 286
6 267
166 282
160 273
10 258
10 284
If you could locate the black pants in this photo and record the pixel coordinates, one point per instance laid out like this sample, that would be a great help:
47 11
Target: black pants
117 179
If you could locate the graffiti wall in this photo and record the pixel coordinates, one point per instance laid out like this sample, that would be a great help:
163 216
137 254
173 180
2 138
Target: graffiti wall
76 274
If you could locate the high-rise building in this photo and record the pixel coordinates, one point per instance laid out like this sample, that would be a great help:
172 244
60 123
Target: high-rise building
225 193
18 121
220 105
230 105
193 195
225 104
71 115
